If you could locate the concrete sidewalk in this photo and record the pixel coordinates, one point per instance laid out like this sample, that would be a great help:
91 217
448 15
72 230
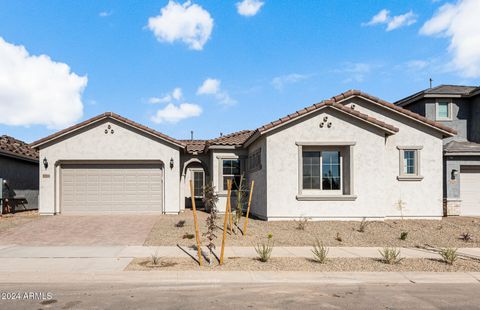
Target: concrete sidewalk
120 252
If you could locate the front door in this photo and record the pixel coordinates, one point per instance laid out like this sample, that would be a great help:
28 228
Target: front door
198 177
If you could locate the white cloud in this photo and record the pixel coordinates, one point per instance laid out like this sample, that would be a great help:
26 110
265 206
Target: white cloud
37 90
176 94
174 113
212 87
279 82
105 13
403 20
416 65
381 17
249 7
187 22
392 22
459 23
355 72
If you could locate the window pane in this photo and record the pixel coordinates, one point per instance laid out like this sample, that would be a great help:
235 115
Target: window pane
409 162
311 170
198 183
331 170
443 110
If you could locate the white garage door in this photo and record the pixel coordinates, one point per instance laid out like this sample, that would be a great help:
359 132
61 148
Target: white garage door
90 188
470 190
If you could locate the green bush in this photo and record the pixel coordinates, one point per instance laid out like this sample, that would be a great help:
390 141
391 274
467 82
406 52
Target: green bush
404 235
449 255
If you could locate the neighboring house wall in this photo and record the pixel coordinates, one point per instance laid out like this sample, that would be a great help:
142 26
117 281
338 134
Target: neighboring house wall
92 144
474 124
259 196
22 177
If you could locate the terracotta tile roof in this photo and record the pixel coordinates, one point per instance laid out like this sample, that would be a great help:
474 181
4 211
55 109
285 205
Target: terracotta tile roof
194 146
13 147
334 102
107 115
235 138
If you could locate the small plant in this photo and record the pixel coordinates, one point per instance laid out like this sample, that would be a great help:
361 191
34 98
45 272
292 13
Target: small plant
242 191
188 236
264 250
449 255
400 205
320 252
390 256
155 258
363 225
403 235
210 201
180 223
338 237
466 237
301 224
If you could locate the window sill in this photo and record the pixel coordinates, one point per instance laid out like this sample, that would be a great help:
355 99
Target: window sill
326 197
409 178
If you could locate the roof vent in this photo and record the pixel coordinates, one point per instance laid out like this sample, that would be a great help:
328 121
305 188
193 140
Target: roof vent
221 134
352 106
191 135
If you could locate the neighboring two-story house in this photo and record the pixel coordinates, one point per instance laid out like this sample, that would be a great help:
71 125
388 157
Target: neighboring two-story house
457 107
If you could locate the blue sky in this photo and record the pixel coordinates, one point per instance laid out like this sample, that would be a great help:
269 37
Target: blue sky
263 62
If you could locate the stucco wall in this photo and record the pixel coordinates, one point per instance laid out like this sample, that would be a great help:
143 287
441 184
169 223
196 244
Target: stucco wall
259 196
422 198
474 124
125 144
22 177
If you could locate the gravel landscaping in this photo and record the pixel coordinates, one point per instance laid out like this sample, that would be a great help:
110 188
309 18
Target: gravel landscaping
434 233
8 221
303 264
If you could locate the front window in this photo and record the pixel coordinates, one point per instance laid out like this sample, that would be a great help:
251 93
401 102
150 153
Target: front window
322 170
409 160
409 163
443 110
231 170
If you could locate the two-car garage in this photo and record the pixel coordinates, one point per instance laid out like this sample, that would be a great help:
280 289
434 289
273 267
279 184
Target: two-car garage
110 187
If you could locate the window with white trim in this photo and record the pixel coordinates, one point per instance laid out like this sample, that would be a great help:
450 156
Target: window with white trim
444 110
231 170
409 163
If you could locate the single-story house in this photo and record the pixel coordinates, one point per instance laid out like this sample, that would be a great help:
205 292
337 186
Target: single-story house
353 156
18 174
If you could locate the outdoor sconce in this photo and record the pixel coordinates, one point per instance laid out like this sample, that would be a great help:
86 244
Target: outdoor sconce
454 174
45 162
171 163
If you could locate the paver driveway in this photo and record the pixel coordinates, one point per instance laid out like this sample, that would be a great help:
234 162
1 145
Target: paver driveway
81 230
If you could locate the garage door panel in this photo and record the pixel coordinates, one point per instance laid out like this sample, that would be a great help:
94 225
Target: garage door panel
111 188
470 190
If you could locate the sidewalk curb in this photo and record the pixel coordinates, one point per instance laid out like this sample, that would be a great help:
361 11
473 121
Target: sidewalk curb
244 277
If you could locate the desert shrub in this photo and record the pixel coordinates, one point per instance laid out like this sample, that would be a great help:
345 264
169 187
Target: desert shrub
466 237
264 249
210 201
338 237
301 224
320 252
188 236
155 258
180 223
390 256
403 235
363 225
449 255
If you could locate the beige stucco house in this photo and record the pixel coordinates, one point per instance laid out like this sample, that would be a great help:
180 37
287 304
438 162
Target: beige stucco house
353 156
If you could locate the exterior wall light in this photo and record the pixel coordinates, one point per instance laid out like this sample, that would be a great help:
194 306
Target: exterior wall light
45 162
454 174
171 163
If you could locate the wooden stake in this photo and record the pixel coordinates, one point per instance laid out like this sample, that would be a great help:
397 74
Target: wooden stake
197 236
248 209
229 188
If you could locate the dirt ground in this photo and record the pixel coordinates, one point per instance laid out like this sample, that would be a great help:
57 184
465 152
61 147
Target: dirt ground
305 264
8 221
435 233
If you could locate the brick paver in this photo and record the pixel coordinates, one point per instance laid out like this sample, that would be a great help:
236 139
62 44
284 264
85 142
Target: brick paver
81 230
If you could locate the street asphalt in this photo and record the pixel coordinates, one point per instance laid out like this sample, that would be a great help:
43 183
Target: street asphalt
245 296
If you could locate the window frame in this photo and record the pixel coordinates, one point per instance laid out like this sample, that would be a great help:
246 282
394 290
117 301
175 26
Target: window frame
221 175
322 190
192 177
402 176
346 149
449 109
